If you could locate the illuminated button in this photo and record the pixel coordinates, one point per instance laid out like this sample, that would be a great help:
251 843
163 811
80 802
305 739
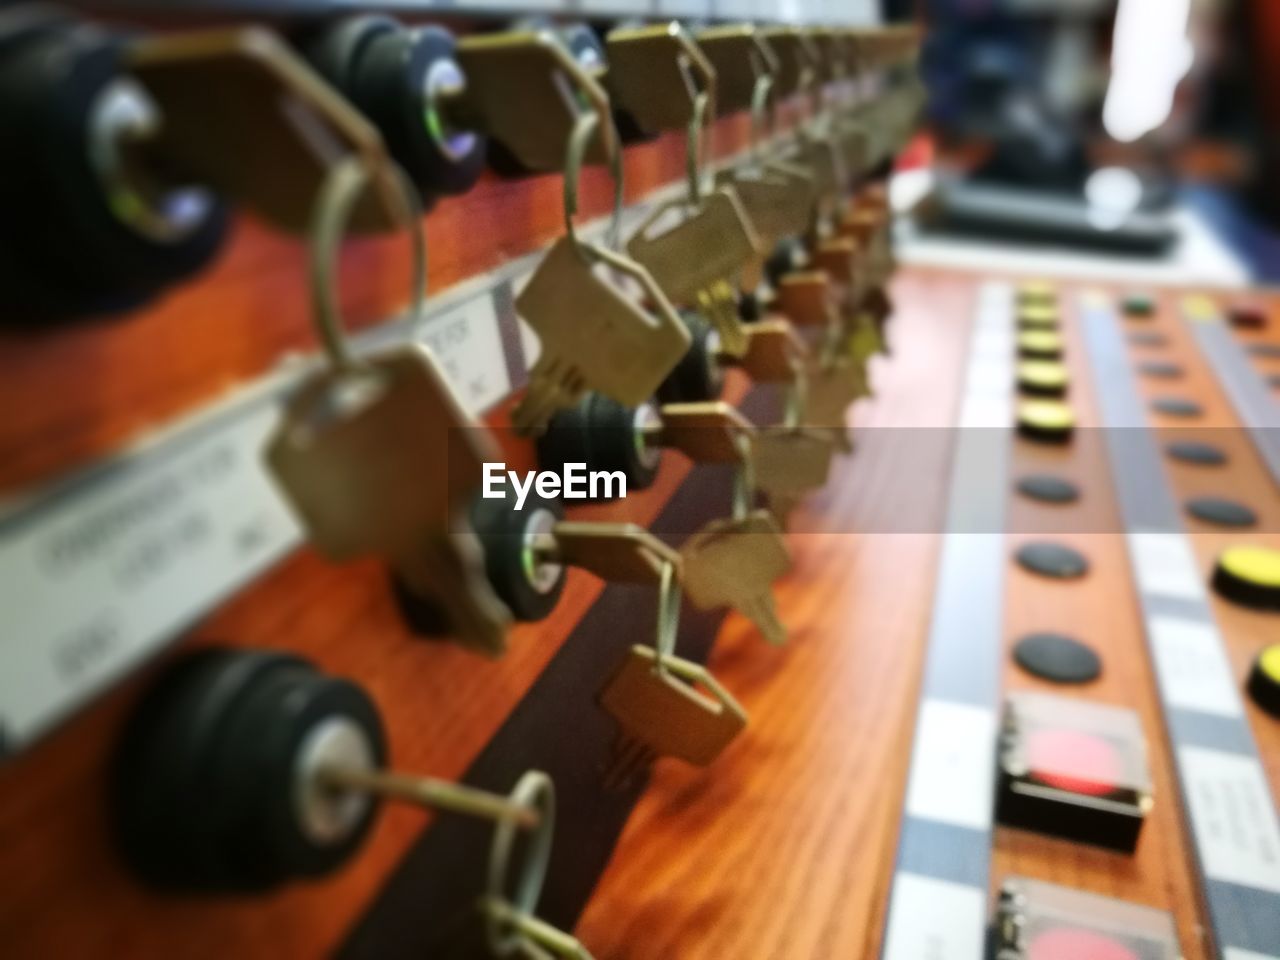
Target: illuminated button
1048 421
1037 292
1040 345
1264 680
1038 316
1249 575
1139 305
1043 378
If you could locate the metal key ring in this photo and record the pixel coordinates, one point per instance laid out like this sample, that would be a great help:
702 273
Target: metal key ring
586 129
698 144
534 790
744 480
343 186
668 615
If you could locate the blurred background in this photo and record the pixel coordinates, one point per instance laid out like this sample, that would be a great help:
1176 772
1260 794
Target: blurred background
1112 127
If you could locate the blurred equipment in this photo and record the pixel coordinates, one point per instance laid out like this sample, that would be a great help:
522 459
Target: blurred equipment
1018 97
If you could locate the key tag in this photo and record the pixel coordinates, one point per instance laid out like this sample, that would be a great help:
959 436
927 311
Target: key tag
777 195
596 335
696 247
792 459
667 706
360 446
734 561
509 905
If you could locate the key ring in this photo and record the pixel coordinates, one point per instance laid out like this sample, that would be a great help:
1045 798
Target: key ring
668 615
586 129
744 480
345 184
763 115
503 914
698 143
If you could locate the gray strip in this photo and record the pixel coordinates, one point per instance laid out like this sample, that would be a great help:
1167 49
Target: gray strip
962 661
1215 756
944 851
1249 394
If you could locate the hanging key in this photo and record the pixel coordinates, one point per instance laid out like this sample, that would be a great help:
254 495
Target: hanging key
596 333
696 251
697 247
666 706
242 770
361 445
656 73
735 561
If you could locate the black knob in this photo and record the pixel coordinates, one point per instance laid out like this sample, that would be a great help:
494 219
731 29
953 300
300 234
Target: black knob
400 79
605 435
82 233
216 784
698 376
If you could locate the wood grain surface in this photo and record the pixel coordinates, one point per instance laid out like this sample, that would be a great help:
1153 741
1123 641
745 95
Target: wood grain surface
783 849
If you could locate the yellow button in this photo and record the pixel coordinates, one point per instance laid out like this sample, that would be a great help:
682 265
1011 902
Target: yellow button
1040 344
1047 420
1044 378
1249 575
1037 290
1269 662
1040 316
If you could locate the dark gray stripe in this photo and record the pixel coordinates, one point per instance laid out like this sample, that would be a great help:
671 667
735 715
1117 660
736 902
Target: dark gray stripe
944 851
1192 728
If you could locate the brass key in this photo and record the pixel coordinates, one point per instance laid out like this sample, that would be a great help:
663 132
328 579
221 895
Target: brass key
734 562
664 705
595 335
705 432
359 448
695 251
696 247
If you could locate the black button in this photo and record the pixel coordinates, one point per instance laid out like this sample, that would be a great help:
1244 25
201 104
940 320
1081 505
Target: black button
1264 680
1246 318
1148 338
1160 370
1202 454
1048 489
1223 513
1053 560
1056 657
1177 407
1139 305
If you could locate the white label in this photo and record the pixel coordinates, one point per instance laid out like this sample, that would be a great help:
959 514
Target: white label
1235 953
1192 669
100 579
1235 822
953 764
467 342
935 920
1165 565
